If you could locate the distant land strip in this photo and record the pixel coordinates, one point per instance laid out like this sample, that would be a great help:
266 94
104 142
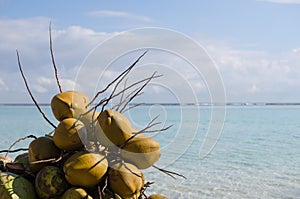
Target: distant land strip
187 104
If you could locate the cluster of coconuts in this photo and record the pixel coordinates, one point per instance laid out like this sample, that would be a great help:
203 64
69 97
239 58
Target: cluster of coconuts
88 151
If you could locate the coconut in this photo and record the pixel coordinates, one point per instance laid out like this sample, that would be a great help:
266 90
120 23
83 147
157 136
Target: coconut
94 130
69 104
157 196
85 169
14 186
23 159
75 193
42 148
116 127
141 151
68 134
126 180
50 182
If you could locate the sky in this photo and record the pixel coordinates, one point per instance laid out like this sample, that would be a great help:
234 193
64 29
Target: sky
254 45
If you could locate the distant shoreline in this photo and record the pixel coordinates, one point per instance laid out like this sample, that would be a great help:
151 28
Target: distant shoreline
188 104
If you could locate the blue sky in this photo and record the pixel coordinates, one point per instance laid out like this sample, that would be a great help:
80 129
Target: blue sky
255 44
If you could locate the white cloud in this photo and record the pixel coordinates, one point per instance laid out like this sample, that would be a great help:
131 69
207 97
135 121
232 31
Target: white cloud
3 86
257 75
296 50
111 13
39 89
282 1
247 75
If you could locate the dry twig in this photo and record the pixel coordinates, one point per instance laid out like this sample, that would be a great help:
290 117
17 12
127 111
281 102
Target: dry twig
19 140
169 173
53 60
123 74
33 99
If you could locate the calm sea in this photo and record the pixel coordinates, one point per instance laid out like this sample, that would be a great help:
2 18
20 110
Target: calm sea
257 154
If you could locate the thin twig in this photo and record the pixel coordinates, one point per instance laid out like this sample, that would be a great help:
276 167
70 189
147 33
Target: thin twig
121 98
19 140
27 87
117 94
126 167
114 90
13 151
133 106
53 60
118 106
52 160
105 185
169 173
134 134
158 130
142 87
123 73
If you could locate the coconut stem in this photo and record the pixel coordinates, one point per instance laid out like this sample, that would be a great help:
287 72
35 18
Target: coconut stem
53 60
138 91
33 99
169 173
123 74
13 144
13 151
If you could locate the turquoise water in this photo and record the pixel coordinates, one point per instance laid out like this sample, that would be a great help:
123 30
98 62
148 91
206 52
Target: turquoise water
256 156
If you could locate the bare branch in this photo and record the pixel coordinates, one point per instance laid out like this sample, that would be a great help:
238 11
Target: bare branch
14 151
169 173
117 94
27 87
134 173
53 60
19 140
134 134
133 106
124 73
139 90
124 100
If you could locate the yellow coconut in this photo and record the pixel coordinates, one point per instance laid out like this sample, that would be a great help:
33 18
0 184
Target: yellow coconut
85 169
76 193
69 104
94 130
125 180
42 148
116 127
157 196
68 134
141 151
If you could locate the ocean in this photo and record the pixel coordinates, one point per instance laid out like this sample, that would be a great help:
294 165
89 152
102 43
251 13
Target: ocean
255 155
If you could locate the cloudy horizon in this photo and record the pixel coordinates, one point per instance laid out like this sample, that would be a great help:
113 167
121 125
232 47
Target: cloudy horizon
252 67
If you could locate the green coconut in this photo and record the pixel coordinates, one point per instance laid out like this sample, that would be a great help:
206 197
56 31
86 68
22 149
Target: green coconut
23 159
68 134
50 182
42 148
13 186
126 180
85 169
69 104
141 151
116 127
